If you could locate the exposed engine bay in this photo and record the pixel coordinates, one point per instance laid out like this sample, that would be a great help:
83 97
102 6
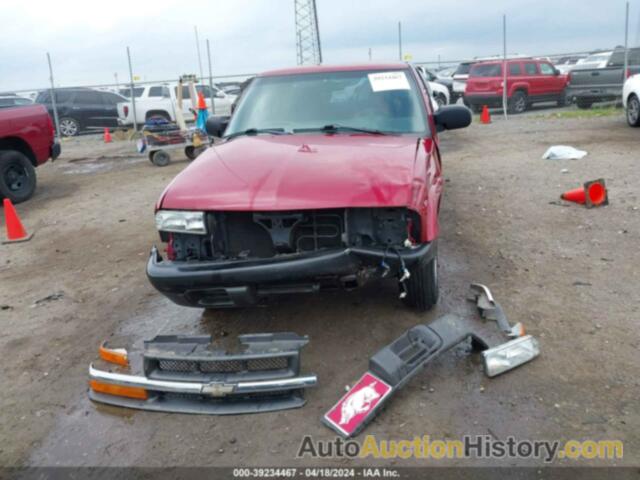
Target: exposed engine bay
245 235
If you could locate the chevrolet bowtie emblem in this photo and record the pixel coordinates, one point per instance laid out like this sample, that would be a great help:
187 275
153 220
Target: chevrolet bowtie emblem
218 389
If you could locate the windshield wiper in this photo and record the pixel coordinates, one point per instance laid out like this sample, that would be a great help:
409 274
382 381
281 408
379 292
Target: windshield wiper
336 127
257 131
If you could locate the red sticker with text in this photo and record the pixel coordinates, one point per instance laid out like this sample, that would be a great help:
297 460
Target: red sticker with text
357 404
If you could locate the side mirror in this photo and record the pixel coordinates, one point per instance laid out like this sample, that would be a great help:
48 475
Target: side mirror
220 94
556 72
216 125
451 117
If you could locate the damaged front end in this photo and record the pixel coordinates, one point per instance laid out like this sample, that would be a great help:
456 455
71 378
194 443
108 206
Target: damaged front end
239 258
188 374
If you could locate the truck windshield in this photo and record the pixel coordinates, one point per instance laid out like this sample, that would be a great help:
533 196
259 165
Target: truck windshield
380 101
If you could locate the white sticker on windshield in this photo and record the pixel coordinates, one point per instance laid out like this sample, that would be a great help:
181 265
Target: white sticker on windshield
385 81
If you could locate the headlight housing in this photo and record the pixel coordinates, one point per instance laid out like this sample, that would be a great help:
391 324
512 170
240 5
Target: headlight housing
181 222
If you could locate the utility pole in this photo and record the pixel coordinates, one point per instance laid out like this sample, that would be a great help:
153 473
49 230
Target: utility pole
213 109
115 75
504 66
400 41
133 97
370 56
626 44
53 97
308 47
195 28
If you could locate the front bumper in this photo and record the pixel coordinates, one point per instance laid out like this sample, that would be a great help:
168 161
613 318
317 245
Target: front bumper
199 397
234 283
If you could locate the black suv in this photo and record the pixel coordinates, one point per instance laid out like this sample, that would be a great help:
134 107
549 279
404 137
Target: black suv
82 109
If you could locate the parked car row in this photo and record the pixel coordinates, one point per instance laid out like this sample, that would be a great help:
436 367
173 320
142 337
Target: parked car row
86 109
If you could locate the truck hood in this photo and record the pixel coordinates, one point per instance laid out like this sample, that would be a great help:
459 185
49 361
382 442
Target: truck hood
295 172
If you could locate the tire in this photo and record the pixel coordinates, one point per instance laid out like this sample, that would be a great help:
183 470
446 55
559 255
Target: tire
518 102
17 176
633 111
584 104
562 99
191 152
422 285
441 100
160 158
476 108
69 127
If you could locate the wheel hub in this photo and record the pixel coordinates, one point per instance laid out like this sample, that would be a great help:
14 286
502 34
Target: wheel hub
15 178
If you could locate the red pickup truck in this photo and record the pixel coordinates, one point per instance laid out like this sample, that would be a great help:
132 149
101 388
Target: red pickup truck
529 81
326 177
27 139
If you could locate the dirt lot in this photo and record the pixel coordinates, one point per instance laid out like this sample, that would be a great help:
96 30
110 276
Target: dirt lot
570 274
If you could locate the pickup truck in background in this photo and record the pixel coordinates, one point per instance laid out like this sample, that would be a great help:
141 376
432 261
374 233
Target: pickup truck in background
161 100
589 86
27 139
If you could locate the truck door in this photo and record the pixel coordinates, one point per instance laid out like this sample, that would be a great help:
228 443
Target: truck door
532 78
87 107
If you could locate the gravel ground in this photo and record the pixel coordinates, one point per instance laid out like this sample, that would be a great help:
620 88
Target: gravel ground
569 274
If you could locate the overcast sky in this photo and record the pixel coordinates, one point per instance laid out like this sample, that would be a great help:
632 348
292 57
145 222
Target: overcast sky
87 39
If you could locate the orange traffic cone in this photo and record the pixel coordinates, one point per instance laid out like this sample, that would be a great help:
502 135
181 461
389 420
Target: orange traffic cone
15 230
202 105
485 116
107 136
591 194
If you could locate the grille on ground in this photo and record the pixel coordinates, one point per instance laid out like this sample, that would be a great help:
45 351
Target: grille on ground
221 366
224 366
275 363
177 365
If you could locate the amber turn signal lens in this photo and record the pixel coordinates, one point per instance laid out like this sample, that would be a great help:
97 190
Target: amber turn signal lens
114 355
118 390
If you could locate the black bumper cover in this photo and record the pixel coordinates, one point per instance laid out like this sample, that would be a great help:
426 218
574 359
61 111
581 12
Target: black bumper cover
243 282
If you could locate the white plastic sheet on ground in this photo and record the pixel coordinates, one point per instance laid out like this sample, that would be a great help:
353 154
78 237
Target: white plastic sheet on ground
563 152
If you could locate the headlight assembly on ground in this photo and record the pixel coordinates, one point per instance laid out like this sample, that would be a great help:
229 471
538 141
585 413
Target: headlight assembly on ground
180 221
510 355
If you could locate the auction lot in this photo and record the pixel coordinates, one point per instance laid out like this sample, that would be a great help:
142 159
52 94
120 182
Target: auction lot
570 274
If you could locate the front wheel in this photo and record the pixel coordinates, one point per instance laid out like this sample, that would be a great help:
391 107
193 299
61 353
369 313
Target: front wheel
422 285
440 100
17 176
633 111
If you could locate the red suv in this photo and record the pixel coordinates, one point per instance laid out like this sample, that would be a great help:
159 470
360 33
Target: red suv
325 177
529 81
